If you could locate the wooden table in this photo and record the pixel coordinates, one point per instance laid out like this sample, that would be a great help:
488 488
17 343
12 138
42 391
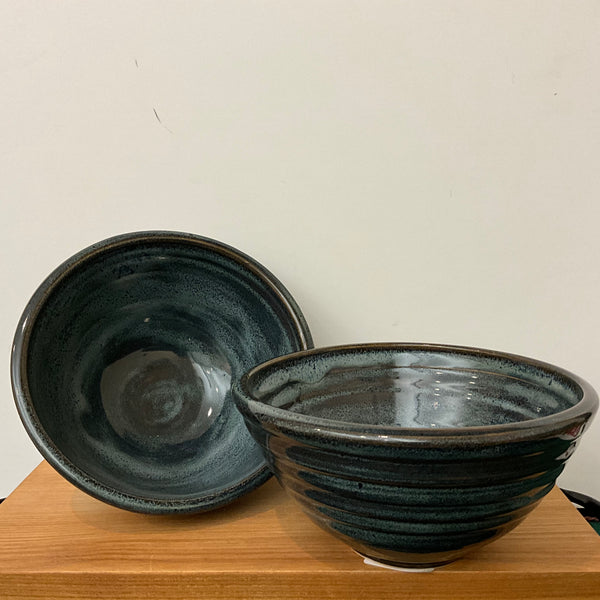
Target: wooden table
57 543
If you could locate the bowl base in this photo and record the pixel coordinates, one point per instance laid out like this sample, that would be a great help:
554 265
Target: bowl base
424 567
395 567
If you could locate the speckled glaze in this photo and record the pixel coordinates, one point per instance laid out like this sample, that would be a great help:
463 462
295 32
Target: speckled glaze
122 366
415 454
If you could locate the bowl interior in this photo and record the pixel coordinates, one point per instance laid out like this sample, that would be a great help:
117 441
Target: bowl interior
413 388
129 363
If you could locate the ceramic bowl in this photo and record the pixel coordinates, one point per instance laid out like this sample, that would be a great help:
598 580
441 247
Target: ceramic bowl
122 366
415 454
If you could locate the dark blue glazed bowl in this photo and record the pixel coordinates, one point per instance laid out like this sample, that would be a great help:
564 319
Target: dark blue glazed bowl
415 454
122 366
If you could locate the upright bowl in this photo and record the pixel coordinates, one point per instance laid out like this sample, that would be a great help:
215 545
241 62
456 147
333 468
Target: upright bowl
415 454
122 366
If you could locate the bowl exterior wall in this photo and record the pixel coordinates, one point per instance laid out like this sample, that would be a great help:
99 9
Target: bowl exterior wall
414 506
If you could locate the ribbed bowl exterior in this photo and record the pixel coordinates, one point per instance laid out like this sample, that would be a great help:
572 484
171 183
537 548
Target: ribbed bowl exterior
405 496
415 507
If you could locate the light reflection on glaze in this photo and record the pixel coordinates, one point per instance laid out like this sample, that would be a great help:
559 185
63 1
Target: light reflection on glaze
423 397
155 398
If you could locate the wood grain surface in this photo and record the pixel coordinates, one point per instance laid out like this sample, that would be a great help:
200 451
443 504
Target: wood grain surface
58 543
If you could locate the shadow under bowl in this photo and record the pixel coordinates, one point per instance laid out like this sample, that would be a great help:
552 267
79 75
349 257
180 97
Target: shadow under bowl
415 454
122 366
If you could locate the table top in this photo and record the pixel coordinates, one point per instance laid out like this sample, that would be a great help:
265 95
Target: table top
56 543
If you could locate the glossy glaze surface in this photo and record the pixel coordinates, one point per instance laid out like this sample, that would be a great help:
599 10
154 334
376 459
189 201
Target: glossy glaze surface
123 362
415 454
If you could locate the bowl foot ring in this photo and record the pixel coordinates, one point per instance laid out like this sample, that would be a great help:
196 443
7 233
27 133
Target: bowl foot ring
404 569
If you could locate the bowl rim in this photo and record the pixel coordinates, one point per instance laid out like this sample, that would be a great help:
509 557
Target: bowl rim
570 422
22 396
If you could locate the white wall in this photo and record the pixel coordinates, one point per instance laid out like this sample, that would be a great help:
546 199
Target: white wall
412 171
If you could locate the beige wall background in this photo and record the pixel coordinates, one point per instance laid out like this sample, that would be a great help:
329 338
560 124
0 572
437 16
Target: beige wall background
412 170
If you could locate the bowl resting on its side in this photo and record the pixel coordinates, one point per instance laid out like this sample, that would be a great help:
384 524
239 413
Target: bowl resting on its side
123 361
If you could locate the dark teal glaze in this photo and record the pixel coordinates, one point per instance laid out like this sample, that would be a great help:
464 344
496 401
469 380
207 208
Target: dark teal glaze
123 361
415 454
